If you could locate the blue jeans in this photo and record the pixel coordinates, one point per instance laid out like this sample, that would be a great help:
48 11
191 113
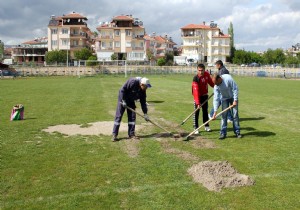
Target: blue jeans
229 117
236 124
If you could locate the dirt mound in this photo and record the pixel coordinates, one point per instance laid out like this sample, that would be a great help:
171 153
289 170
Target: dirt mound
95 128
217 175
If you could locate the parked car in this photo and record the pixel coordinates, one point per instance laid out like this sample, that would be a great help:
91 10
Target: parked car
254 64
244 65
191 61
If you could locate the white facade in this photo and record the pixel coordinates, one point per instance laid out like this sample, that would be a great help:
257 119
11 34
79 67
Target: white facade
204 43
122 36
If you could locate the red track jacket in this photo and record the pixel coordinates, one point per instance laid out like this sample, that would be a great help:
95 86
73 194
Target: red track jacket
199 86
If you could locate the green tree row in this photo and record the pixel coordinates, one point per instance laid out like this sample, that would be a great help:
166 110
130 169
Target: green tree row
60 56
276 56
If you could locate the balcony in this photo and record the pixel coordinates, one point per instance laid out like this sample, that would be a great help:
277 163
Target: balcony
80 34
137 36
77 46
106 37
137 48
105 49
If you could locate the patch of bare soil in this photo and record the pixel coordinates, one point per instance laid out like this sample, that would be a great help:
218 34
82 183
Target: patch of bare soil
200 143
215 175
179 153
131 148
95 128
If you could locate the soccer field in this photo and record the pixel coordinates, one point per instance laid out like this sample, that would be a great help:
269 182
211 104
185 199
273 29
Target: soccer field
40 170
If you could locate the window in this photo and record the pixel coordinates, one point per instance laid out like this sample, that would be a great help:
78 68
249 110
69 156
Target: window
117 44
128 44
128 32
64 42
54 42
75 42
117 32
141 44
54 31
103 44
65 31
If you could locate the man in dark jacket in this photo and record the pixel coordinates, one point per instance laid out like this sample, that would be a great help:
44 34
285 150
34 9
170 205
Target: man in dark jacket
134 89
221 70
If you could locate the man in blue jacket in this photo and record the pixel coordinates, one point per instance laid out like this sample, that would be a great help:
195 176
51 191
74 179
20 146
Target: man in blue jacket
226 90
134 89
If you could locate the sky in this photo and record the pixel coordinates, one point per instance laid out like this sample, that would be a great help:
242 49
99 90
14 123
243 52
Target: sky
258 24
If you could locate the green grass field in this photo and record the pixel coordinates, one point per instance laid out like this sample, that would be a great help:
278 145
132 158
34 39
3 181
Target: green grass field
49 171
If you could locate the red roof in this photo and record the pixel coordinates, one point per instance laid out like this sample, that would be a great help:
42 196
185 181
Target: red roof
197 26
74 16
123 17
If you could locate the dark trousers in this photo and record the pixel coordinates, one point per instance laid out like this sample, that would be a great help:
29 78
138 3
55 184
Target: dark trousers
204 112
118 118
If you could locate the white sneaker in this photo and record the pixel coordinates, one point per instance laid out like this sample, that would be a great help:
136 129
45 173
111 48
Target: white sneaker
196 132
229 121
207 129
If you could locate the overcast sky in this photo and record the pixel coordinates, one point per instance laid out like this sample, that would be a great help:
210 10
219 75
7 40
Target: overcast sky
258 24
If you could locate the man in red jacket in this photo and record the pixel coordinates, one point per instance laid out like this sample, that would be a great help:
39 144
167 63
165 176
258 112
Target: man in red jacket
200 93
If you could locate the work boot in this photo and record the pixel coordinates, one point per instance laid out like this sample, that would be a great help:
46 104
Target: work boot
114 138
222 136
238 135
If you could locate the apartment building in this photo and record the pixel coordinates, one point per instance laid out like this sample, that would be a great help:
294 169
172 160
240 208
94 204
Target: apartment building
159 45
123 36
205 43
69 32
32 51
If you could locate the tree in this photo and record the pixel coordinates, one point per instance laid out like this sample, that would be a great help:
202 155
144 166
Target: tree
150 55
83 54
58 56
161 62
114 57
232 48
274 56
92 61
169 59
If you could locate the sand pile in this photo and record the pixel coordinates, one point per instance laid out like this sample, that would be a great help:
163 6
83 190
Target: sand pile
215 175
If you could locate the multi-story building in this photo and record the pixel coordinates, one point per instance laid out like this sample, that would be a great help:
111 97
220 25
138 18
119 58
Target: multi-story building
205 43
123 36
32 51
159 45
294 50
69 32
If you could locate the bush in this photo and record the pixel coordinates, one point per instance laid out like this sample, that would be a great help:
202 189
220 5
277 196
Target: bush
92 61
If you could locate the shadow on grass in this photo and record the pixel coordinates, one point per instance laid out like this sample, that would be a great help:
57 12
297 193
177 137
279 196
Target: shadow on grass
156 102
30 118
260 133
253 132
251 119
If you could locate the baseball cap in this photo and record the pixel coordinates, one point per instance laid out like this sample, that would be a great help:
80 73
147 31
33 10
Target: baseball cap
145 81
